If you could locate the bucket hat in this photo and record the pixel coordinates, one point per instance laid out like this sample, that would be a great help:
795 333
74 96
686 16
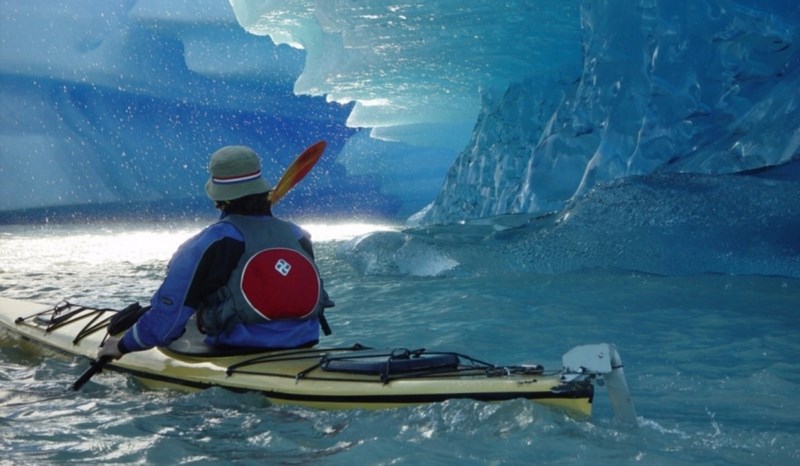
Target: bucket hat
235 172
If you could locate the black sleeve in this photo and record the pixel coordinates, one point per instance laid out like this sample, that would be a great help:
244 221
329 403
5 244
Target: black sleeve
305 243
214 269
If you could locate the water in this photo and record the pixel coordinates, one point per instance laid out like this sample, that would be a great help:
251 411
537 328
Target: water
712 362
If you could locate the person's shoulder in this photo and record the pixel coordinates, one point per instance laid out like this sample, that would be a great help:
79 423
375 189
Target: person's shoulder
213 233
298 231
222 229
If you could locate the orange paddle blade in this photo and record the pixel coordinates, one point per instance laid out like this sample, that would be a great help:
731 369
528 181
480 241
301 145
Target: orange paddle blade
297 170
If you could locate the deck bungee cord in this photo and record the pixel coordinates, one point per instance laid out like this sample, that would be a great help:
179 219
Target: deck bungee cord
389 365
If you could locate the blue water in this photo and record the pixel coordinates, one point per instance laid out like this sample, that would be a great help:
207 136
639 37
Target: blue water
713 362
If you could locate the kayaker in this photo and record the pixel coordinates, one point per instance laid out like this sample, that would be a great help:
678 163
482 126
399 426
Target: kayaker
250 278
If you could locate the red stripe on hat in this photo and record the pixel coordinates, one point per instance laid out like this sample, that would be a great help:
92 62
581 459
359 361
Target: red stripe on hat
236 179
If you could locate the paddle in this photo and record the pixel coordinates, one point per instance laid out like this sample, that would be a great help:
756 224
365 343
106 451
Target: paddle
295 172
94 367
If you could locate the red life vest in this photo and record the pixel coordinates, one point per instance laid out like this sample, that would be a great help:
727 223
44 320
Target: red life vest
281 283
275 279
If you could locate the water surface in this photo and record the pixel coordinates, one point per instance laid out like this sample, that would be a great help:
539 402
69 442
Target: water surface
712 361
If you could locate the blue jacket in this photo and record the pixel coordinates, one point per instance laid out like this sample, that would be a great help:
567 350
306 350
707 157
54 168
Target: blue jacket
198 268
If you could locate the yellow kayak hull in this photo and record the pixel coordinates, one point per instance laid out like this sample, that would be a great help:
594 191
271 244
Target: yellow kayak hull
293 377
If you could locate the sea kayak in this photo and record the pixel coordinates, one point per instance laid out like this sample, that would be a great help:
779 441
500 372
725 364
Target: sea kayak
356 376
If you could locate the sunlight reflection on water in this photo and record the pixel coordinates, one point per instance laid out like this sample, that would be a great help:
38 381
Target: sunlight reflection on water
322 232
112 264
25 249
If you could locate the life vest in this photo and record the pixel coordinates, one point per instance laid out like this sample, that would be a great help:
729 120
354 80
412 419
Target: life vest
275 278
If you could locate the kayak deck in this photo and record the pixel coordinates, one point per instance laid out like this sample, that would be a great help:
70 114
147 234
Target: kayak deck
330 378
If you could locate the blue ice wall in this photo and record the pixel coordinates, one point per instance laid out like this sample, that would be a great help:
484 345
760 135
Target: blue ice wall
482 107
662 87
123 102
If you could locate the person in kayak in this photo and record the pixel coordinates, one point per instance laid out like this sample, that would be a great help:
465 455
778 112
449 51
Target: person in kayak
250 278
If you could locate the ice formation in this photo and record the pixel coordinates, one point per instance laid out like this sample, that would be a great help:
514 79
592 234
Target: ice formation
477 107
574 93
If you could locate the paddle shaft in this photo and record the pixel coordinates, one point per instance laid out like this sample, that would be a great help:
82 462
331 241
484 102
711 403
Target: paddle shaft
94 368
295 172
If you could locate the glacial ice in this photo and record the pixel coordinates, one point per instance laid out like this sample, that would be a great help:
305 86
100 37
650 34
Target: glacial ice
421 65
663 87
122 103
475 108
665 224
566 94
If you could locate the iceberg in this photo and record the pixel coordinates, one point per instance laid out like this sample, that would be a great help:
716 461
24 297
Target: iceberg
415 71
121 104
666 224
563 95
665 87
453 110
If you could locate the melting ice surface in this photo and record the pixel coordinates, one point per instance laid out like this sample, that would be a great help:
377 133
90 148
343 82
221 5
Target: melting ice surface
670 224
